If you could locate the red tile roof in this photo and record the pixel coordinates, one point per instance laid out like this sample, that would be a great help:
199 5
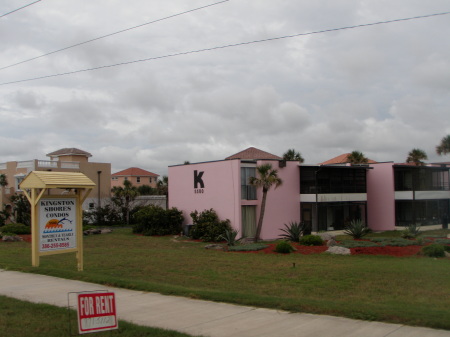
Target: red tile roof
69 151
134 172
254 153
343 159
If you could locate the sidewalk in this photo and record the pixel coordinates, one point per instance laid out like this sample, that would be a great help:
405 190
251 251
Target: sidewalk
204 318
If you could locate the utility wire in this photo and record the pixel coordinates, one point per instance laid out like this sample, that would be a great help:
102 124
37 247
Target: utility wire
18 9
227 46
111 34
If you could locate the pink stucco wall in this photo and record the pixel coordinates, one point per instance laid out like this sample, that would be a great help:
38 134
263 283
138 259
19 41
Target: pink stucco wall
221 189
283 203
222 193
381 197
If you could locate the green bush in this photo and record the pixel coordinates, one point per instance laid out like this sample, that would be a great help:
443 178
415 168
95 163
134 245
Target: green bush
208 227
284 247
16 228
154 220
293 231
311 240
434 250
357 229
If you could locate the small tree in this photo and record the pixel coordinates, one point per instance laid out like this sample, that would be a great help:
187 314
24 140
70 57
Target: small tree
416 156
291 154
357 157
267 177
444 147
123 198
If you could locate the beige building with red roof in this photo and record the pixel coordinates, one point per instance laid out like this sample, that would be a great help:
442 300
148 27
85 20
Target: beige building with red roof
137 176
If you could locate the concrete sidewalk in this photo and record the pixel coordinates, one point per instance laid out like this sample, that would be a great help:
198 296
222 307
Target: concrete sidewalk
204 318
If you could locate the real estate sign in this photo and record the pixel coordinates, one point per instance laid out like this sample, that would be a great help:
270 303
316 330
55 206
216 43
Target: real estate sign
96 312
57 224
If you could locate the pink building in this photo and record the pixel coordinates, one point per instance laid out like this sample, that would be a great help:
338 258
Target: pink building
326 197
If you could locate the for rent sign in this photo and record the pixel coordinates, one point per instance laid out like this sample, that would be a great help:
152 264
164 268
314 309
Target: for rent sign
57 224
96 312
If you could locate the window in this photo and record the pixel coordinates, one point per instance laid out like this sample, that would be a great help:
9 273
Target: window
248 192
18 179
138 180
115 178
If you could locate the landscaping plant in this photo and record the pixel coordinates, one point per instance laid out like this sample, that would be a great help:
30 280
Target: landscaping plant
208 227
311 240
284 247
434 250
155 220
230 237
357 229
411 231
293 231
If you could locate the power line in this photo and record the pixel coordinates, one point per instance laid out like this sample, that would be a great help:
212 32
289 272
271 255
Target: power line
111 34
18 9
227 46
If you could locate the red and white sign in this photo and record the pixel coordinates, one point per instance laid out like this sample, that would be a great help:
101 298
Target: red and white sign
96 312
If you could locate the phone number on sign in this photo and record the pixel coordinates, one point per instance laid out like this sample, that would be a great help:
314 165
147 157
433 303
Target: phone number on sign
55 245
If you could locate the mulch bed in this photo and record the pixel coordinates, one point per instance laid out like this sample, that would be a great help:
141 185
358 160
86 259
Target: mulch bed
386 250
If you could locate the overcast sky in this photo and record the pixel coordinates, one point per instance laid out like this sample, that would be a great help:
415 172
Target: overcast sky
381 89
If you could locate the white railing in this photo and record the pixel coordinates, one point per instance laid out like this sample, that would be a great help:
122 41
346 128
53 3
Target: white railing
3 166
47 163
70 165
26 164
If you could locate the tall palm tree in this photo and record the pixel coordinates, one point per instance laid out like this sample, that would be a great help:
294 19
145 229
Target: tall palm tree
444 146
416 156
291 154
357 157
267 177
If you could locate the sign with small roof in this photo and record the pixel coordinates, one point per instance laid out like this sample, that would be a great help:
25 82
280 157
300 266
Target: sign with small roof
56 220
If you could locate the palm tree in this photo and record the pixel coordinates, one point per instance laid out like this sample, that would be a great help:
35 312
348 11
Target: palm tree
3 181
357 157
291 154
267 177
162 187
416 156
444 146
123 197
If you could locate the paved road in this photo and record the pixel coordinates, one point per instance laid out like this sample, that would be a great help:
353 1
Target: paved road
204 318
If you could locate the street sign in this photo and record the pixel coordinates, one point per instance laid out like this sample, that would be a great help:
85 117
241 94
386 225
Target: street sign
96 312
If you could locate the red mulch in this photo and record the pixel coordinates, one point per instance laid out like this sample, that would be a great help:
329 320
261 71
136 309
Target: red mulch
26 238
387 250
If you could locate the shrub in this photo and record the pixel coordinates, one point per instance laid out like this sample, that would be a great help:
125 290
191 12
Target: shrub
434 250
284 247
311 240
106 215
411 231
154 220
293 231
208 227
357 229
16 228
399 242
230 237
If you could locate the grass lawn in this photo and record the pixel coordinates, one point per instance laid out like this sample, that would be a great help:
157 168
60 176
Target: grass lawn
408 290
49 321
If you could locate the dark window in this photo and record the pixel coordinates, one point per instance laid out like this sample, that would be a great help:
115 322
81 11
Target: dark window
248 192
332 180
